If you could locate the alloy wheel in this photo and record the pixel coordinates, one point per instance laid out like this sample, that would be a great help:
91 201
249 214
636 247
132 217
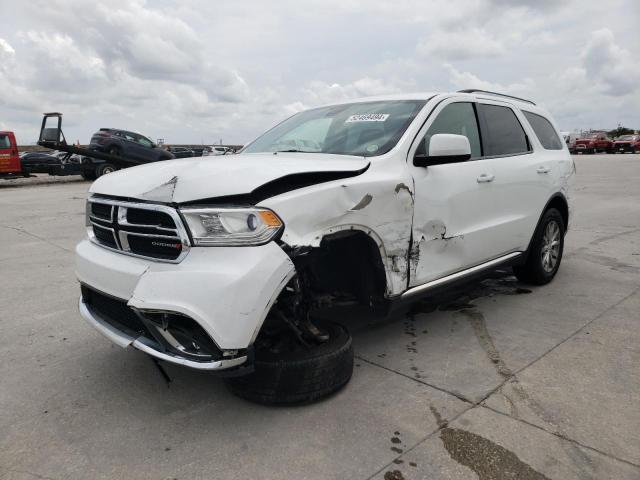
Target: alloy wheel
550 251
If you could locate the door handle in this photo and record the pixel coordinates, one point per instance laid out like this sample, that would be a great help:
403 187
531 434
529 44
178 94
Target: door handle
543 170
485 178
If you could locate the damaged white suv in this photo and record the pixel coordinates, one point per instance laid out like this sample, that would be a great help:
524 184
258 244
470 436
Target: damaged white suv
220 263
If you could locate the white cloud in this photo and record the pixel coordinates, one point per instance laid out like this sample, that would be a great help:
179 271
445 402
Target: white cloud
6 50
462 80
615 68
461 44
192 70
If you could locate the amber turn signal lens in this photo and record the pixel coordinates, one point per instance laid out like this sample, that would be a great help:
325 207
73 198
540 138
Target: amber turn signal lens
270 218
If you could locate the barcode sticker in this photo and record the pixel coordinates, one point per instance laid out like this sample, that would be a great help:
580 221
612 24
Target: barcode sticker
367 117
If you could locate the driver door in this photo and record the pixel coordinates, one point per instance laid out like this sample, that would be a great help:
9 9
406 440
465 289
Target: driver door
453 209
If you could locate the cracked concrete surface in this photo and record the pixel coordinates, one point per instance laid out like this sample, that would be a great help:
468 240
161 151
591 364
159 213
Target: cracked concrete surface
493 380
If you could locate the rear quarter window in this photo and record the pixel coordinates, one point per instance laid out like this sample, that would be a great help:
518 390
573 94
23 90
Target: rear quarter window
544 131
4 141
501 131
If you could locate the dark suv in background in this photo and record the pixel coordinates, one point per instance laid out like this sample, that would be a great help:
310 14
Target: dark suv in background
121 143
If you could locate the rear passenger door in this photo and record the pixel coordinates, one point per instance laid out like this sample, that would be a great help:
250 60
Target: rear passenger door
520 188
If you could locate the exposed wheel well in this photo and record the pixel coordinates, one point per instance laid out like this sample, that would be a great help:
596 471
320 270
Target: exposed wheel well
346 263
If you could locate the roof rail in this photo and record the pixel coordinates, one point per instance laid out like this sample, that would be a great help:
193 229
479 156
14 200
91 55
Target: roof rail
474 90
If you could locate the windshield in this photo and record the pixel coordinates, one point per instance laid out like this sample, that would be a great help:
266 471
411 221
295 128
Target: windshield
627 137
366 129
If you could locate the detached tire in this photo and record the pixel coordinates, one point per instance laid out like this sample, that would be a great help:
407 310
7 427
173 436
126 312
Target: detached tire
299 377
545 252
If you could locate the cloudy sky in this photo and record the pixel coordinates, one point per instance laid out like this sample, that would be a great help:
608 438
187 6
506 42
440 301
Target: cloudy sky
204 70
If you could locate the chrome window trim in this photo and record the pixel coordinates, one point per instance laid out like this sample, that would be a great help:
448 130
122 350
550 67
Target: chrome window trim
122 237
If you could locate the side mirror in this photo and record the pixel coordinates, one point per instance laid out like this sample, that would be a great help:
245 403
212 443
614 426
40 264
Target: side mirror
445 148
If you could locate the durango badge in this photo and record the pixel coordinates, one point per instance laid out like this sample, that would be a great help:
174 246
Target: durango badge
168 245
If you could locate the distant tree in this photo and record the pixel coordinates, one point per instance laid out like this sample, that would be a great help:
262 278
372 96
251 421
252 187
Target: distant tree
620 131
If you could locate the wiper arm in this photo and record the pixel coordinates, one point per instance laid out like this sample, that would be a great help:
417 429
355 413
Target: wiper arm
292 150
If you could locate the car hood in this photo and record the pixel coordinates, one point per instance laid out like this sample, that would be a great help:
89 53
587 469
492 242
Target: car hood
193 179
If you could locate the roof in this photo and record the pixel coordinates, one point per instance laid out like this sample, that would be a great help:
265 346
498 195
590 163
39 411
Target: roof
473 94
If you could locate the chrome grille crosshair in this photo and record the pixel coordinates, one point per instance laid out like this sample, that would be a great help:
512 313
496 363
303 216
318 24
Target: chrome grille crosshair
138 229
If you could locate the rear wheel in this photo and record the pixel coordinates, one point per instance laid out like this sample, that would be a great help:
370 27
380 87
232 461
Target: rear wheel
300 374
545 252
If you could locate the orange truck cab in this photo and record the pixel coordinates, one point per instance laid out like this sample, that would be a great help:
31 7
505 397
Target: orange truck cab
9 158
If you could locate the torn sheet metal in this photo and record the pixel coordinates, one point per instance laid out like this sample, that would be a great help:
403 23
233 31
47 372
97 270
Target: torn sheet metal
162 193
378 203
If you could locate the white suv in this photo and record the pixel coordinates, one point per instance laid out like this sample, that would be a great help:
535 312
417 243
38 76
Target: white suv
222 265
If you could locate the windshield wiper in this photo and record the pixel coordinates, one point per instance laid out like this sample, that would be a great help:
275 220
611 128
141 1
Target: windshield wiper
292 150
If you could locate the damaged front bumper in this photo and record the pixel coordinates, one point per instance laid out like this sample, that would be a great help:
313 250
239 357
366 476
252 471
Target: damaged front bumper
204 312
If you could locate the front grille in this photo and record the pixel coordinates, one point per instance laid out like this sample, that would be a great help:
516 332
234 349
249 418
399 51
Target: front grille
165 248
145 230
105 236
150 217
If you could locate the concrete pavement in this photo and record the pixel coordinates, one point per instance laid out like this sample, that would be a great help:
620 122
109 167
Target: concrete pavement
495 380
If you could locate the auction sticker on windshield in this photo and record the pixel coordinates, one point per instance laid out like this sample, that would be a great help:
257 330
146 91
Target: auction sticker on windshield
367 117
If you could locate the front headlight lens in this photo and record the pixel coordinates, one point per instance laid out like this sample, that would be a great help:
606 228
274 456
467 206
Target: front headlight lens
231 226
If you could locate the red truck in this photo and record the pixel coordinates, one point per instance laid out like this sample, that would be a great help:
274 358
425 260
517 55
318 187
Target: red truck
593 143
627 143
9 157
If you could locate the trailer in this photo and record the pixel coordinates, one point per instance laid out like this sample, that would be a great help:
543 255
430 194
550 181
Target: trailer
52 137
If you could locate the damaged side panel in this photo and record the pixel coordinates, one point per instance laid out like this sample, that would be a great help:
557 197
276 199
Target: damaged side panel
380 204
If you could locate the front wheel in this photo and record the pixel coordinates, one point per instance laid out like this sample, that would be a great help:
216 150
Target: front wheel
300 375
545 252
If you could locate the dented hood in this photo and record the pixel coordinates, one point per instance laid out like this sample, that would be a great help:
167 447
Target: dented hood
191 179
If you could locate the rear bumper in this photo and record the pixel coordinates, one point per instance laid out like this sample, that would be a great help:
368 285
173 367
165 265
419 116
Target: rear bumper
225 290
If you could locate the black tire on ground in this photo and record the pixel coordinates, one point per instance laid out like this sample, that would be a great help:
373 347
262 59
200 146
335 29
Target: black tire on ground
536 270
88 174
104 168
299 377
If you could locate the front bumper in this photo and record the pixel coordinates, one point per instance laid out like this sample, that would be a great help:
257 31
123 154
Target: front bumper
623 147
227 291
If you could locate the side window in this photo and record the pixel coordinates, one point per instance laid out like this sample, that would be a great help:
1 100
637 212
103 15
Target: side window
544 131
502 133
145 142
458 118
127 136
4 141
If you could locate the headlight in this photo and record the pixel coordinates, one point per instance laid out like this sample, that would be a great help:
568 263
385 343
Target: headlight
231 226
